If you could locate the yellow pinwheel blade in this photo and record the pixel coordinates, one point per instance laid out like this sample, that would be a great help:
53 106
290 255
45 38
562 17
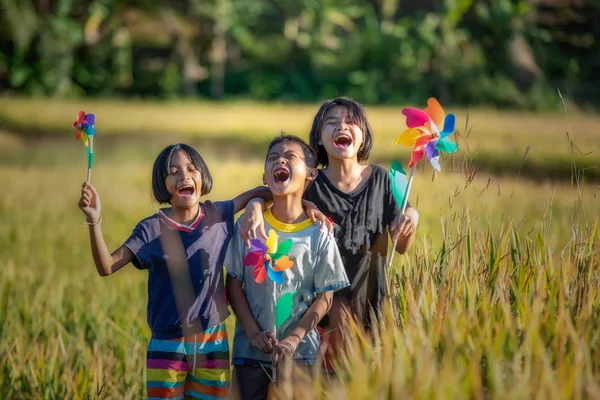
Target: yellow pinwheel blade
409 136
84 139
272 242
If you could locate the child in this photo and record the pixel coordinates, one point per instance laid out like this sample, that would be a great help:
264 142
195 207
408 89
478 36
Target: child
316 272
359 200
182 247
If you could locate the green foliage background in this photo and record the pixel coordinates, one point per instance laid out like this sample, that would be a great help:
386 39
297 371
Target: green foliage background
507 53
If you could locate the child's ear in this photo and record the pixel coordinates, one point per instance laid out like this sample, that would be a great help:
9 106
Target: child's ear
264 180
311 174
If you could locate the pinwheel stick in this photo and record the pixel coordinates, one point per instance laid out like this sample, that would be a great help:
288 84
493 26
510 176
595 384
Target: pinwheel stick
274 366
90 158
404 204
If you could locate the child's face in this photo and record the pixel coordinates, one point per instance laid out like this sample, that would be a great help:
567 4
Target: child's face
285 169
340 136
184 181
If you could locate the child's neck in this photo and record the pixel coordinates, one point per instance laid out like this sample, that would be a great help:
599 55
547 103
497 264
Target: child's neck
347 174
288 209
184 216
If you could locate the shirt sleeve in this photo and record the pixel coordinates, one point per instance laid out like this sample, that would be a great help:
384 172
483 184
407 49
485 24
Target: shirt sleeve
139 244
223 212
234 256
329 269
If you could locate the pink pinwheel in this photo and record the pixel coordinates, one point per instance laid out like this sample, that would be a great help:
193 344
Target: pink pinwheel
424 133
269 259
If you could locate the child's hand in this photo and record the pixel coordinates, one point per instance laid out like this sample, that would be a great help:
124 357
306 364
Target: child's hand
265 341
89 202
317 216
251 221
406 225
284 350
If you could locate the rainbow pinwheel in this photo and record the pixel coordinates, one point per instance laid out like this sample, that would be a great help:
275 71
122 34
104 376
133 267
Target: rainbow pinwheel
86 131
85 126
269 259
425 135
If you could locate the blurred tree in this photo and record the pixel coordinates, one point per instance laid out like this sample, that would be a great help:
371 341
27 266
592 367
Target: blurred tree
502 52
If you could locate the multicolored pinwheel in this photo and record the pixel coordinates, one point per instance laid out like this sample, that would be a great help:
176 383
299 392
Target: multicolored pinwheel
427 132
269 259
86 131
425 135
85 126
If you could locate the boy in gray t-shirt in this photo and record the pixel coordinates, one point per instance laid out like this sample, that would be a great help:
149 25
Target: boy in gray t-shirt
281 287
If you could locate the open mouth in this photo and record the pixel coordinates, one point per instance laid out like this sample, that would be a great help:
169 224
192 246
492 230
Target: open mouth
185 191
281 175
343 141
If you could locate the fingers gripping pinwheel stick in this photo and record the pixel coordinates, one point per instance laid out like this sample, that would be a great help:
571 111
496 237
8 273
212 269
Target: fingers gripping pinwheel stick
427 133
85 131
270 260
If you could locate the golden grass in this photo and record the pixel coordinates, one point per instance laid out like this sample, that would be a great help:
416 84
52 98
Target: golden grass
487 303
497 299
494 133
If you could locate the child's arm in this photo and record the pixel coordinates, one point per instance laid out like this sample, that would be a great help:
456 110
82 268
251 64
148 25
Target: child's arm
259 192
106 263
252 220
287 346
404 229
263 340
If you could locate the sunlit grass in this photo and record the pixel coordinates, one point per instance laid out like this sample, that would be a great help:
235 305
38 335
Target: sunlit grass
497 299
497 139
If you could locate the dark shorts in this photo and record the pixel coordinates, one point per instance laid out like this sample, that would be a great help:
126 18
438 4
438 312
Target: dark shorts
251 382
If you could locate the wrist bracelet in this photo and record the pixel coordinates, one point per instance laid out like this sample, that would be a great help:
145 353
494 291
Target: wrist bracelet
93 223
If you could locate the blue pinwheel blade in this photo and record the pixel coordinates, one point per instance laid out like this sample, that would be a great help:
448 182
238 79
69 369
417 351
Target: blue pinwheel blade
449 122
276 277
89 130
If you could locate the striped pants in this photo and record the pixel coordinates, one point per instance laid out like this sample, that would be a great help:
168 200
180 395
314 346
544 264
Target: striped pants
195 366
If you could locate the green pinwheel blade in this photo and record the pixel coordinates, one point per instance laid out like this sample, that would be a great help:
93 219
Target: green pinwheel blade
398 182
282 249
283 309
446 146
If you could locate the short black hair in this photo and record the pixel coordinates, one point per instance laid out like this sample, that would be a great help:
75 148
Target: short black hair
160 171
310 158
358 115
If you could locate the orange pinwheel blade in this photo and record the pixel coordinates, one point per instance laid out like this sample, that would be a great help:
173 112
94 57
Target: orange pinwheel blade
435 111
282 264
409 136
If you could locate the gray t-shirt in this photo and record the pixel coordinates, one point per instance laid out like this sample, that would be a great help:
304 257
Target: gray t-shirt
317 268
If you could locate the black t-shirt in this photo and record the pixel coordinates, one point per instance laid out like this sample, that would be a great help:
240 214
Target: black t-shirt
363 218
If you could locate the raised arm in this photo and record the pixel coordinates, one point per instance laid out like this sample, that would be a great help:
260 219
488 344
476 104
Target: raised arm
106 263
240 202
